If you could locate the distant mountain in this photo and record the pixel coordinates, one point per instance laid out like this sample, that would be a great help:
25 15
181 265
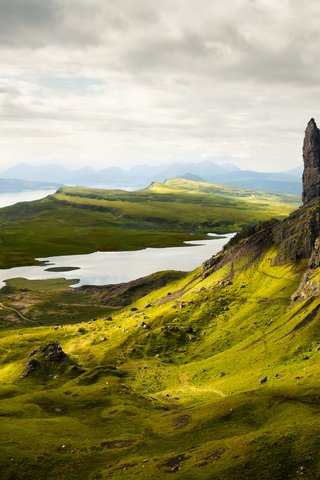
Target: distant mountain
10 185
296 172
143 175
43 173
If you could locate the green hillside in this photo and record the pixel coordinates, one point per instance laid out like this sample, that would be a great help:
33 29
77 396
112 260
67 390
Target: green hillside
82 220
212 376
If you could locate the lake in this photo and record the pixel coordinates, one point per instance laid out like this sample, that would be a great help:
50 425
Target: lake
103 268
11 198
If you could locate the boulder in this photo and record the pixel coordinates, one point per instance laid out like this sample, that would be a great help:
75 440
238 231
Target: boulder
263 380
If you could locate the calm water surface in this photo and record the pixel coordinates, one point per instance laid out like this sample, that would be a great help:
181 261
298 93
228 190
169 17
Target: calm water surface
7 199
103 268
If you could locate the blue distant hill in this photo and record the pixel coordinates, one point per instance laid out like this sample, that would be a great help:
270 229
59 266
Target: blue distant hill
143 175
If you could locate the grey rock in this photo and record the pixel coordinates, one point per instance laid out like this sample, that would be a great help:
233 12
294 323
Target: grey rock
53 351
145 325
187 329
31 367
311 158
263 380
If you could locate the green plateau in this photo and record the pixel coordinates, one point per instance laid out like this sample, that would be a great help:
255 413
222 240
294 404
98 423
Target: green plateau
84 220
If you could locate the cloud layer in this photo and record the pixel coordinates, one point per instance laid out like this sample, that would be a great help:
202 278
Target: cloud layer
117 83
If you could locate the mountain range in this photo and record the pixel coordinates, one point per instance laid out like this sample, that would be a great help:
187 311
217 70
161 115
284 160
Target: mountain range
143 175
13 185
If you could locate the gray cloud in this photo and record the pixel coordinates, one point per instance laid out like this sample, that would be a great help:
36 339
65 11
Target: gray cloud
155 81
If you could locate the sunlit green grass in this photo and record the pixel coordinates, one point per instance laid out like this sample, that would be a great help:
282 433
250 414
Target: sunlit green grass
194 405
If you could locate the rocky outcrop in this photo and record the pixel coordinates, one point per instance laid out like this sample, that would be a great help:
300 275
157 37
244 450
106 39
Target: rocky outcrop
310 282
246 247
295 238
311 158
296 235
49 362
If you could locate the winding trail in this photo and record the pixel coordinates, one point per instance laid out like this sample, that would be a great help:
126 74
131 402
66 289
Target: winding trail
20 315
204 390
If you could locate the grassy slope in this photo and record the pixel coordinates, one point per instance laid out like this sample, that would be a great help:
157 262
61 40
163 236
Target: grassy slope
81 220
181 403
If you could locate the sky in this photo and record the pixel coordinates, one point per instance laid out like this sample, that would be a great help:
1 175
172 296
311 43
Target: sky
124 82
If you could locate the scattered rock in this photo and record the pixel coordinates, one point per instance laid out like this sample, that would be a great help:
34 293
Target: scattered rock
263 380
133 309
145 325
305 357
187 329
103 339
192 338
174 463
81 330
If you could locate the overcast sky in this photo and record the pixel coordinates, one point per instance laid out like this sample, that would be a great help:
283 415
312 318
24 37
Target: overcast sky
123 82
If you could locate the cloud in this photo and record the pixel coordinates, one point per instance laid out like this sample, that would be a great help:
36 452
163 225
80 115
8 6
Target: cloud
125 81
38 23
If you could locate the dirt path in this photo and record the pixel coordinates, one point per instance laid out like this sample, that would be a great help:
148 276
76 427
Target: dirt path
204 390
20 315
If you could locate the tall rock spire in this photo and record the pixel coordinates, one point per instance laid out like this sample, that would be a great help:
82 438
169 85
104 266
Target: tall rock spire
311 158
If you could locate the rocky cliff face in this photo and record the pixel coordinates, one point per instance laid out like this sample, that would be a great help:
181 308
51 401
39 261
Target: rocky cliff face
311 158
297 238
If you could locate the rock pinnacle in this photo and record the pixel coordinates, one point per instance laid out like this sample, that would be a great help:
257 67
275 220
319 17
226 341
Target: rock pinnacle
311 158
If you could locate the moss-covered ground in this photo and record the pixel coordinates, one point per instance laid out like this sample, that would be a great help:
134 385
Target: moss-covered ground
83 220
203 378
